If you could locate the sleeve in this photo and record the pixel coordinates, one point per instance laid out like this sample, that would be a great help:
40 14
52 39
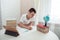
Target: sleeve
21 19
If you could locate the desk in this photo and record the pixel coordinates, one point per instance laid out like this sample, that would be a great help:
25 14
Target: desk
36 35
31 35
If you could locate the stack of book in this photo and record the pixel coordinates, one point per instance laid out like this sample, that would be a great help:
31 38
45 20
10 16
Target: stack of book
11 28
42 28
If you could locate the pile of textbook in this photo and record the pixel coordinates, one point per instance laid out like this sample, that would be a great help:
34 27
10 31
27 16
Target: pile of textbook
42 28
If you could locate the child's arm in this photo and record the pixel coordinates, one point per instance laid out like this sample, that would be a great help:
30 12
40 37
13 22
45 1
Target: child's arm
31 23
24 26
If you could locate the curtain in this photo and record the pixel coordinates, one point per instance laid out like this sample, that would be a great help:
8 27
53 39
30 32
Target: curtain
0 16
44 8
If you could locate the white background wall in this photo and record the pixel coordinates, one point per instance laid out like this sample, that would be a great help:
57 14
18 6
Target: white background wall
26 5
55 11
10 9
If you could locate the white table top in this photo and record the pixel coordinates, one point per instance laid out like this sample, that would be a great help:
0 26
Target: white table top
36 35
31 35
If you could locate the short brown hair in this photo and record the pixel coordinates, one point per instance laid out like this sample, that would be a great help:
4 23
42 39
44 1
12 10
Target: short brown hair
32 10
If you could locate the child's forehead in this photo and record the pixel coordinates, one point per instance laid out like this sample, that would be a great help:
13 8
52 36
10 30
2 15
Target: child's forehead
32 13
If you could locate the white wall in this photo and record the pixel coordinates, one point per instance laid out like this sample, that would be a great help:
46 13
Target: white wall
55 11
10 10
26 5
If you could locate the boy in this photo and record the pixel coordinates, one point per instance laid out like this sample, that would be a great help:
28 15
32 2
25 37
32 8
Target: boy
27 20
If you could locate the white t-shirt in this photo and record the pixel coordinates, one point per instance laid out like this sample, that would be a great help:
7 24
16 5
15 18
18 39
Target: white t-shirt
24 20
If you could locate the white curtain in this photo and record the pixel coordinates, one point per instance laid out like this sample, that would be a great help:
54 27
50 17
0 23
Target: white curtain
0 16
44 9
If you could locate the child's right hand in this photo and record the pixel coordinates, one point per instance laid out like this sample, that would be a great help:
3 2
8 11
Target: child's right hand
29 28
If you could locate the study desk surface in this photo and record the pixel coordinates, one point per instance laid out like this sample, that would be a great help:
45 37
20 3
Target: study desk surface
36 35
31 35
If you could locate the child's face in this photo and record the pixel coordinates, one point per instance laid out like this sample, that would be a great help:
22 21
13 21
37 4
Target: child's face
30 15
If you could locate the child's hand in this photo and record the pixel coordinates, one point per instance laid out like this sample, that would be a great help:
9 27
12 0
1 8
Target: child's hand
29 28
